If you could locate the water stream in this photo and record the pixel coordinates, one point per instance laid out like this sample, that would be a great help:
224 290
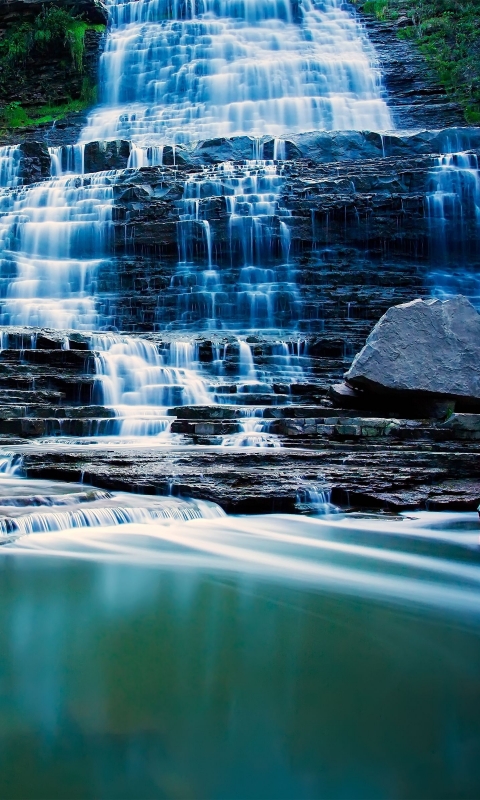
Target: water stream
234 67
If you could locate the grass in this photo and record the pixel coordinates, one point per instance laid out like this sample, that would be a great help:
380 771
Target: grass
14 115
447 32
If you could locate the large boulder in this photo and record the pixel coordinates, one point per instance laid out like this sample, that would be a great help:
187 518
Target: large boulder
428 347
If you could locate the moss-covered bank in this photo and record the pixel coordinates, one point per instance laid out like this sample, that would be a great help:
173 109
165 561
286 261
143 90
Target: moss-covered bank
47 66
447 32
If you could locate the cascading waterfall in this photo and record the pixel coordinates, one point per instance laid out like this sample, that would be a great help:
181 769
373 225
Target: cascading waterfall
254 251
53 237
177 72
453 198
69 159
234 67
453 211
10 165
141 383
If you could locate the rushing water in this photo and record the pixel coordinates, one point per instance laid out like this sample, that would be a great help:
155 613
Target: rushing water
53 236
232 67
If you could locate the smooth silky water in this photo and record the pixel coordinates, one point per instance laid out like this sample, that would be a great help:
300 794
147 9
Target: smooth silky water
161 649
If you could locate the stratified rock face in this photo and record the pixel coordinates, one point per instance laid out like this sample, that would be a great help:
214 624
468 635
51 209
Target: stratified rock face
430 346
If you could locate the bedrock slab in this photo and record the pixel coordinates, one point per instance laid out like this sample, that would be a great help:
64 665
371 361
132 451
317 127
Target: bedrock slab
396 476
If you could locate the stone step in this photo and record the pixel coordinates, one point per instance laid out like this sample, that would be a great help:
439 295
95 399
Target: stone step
34 427
77 389
381 473
82 360
31 411
230 412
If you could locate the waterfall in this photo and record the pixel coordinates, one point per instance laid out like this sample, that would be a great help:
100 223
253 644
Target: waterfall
141 383
453 213
10 164
69 159
53 236
178 71
453 198
252 285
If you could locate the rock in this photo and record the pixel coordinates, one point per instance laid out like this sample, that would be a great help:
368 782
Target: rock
101 156
428 347
464 426
18 11
35 163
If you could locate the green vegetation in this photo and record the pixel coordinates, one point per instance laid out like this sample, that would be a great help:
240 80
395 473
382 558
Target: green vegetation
53 36
14 115
448 34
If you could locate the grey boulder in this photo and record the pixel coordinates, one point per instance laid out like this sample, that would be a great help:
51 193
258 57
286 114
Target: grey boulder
424 346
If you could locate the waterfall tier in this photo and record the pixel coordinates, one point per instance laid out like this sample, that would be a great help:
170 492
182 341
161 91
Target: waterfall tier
184 71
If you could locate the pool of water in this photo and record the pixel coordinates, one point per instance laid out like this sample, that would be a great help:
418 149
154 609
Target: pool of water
242 657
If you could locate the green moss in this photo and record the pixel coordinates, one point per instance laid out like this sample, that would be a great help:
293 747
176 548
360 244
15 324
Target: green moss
448 33
53 34
14 115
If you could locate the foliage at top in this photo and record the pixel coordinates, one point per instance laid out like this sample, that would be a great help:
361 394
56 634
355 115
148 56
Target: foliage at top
54 29
448 33
54 36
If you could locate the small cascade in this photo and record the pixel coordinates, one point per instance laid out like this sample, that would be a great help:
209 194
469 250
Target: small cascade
10 165
10 464
453 205
235 276
254 433
315 500
145 156
141 383
180 71
53 237
69 159
41 512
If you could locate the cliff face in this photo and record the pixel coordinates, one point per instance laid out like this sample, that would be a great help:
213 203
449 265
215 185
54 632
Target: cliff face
416 98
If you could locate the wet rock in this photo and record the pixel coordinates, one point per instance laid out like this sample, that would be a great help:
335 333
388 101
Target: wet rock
35 162
100 156
426 347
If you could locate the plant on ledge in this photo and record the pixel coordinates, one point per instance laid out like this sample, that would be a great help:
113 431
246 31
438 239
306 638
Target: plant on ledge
447 32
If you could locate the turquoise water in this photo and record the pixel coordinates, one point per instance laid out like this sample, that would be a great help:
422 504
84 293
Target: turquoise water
262 657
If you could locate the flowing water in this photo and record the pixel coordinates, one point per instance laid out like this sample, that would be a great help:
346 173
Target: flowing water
234 67
152 647
453 211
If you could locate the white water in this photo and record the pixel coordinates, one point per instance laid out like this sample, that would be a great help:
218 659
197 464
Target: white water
176 71
420 560
10 163
140 383
259 290
53 237
453 198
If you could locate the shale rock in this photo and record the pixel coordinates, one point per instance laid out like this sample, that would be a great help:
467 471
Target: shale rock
429 347
103 155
